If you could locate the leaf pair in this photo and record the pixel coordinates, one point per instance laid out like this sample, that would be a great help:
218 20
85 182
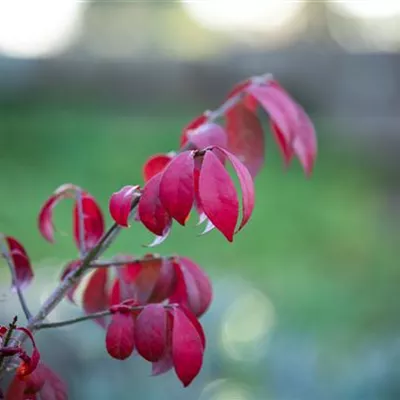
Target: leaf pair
168 338
88 221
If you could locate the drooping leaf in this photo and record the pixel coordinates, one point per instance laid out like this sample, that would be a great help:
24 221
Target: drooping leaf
246 185
120 336
177 187
150 210
120 204
52 386
165 284
218 195
15 253
95 296
92 224
155 164
151 332
187 348
246 137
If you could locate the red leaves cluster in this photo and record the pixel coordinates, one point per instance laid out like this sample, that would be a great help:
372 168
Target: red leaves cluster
32 378
43 384
88 221
167 336
197 178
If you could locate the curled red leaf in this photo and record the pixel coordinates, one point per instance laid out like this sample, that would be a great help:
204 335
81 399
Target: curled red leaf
218 195
151 212
151 332
13 251
177 187
155 164
120 204
187 347
246 185
92 223
120 336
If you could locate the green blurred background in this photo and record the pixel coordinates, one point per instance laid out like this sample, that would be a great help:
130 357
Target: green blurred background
317 266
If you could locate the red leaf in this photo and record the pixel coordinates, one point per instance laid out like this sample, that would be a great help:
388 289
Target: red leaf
165 284
120 204
246 137
92 224
187 348
246 185
115 294
160 239
208 134
155 164
28 365
198 286
151 332
194 124
120 336
95 296
151 212
285 148
177 187
16 254
305 142
218 195
45 219
239 88
192 318
193 289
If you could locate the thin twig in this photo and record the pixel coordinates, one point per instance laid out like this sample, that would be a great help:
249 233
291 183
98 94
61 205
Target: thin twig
20 294
8 337
82 318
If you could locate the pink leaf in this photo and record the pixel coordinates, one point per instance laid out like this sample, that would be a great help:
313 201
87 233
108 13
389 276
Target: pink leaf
285 148
208 134
177 187
246 137
246 185
121 204
305 142
187 348
151 332
95 296
154 165
193 319
15 253
93 222
120 336
151 212
164 365
194 124
218 195
115 293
